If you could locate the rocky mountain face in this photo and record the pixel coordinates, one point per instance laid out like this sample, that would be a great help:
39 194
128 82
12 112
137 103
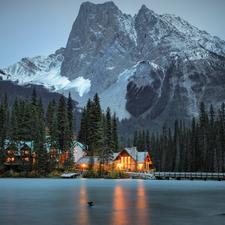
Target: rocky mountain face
151 65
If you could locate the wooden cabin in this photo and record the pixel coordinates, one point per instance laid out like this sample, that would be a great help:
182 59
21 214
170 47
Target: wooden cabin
130 159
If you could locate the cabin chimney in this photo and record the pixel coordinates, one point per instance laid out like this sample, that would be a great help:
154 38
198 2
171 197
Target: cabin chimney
134 151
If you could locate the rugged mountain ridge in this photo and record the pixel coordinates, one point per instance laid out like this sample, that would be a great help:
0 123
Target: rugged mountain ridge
146 65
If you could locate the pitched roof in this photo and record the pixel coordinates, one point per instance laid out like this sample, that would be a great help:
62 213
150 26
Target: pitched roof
141 155
115 155
85 160
78 143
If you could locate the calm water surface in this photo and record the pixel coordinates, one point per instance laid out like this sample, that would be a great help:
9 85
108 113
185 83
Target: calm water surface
117 202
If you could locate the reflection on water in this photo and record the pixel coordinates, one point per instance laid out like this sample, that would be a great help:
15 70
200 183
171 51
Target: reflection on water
119 203
130 205
116 202
142 205
83 210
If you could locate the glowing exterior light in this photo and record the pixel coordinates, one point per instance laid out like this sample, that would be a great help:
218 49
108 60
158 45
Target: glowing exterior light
140 165
119 165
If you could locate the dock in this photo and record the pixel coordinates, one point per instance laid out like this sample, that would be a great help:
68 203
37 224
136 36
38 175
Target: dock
144 176
70 175
189 175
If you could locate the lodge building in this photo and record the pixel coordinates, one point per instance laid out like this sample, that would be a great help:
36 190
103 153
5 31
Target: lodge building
128 159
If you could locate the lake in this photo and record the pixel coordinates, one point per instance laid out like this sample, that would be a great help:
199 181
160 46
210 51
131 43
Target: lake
116 202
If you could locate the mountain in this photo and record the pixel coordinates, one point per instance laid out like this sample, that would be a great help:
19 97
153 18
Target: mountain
151 66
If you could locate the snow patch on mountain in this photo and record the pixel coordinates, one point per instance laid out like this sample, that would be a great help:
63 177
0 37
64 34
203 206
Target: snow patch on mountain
81 85
46 71
115 96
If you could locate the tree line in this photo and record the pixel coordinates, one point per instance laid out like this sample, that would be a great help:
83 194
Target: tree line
98 132
26 123
198 148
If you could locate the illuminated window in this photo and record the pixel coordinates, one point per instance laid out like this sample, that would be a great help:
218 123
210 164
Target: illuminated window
27 152
8 160
10 152
76 150
26 159
128 160
122 160
13 159
125 160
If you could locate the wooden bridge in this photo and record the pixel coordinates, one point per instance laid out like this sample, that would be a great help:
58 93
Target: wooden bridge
189 175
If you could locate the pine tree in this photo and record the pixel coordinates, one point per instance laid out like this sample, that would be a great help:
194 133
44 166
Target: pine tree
25 134
34 98
211 140
135 140
20 115
96 124
176 146
147 141
115 140
2 135
193 151
70 117
152 151
54 142
63 127
170 152
13 127
41 139
109 150
82 134
164 148
7 113
49 116
203 135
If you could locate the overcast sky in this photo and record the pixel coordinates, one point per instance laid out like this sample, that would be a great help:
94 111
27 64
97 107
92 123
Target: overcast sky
39 27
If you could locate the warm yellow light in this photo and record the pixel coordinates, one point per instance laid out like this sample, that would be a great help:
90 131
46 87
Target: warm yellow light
119 165
140 165
83 165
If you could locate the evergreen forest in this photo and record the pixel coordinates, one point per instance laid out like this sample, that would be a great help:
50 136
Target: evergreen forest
36 135
198 148
39 136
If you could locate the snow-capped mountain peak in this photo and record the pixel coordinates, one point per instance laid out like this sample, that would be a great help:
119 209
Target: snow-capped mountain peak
148 64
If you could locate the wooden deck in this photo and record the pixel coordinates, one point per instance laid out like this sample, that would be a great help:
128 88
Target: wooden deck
191 176
70 175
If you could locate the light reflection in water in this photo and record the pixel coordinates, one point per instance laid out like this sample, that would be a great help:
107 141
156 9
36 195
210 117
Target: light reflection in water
119 215
130 206
143 208
83 213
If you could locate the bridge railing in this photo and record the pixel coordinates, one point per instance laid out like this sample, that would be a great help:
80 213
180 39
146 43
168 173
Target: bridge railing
189 175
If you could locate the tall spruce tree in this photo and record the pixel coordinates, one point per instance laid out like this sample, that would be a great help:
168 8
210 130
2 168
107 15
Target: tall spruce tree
135 140
203 135
63 127
2 135
115 140
49 117
13 136
26 124
42 151
54 143
70 116
109 146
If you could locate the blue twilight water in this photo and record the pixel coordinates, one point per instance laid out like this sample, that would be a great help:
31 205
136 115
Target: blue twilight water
119 202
